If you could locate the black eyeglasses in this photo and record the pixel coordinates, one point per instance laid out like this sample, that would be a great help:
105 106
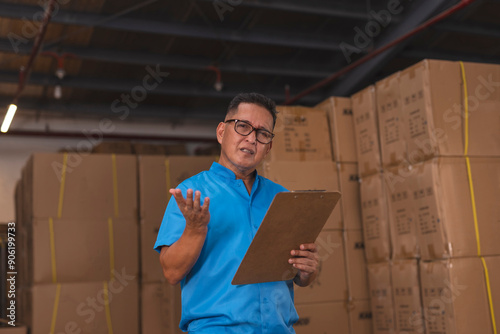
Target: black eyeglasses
244 128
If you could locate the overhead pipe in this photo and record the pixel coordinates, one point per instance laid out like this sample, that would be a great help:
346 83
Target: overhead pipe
364 59
25 72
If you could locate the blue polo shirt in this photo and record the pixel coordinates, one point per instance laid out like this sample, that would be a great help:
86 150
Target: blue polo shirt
210 303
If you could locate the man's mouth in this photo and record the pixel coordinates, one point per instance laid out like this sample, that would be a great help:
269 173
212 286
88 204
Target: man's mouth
247 151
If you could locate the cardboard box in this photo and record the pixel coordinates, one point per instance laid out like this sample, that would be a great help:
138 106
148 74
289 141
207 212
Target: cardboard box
366 131
455 297
91 307
330 284
379 277
117 147
322 318
445 223
18 329
302 134
360 317
390 123
340 118
306 175
402 212
157 175
434 109
80 186
407 300
357 276
158 149
350 202
160 308
375 219
75 250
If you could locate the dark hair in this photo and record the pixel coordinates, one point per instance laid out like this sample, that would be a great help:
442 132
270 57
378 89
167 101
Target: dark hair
254 98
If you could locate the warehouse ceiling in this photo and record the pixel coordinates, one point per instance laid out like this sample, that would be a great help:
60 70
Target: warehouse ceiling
174 60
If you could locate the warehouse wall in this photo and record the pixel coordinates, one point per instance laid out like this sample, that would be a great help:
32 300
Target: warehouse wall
15 150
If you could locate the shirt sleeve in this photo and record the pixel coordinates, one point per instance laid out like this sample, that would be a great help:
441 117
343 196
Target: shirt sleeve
172 225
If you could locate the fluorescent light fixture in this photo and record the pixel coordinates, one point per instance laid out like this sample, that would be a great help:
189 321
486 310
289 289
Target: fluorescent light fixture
8 118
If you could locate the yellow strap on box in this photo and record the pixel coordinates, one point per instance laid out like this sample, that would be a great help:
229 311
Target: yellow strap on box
111 249
61 186
473 199
52 250
54 310
167 176
115 184
106 306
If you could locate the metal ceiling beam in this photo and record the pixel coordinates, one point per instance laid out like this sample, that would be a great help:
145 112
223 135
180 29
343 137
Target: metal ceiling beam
104 110
325 42
267 67
471 28
361 75
128 87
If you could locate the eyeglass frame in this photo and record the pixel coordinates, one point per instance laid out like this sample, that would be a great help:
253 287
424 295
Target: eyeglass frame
253 129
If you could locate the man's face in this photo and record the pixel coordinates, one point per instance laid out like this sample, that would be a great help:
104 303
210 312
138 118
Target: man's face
241 153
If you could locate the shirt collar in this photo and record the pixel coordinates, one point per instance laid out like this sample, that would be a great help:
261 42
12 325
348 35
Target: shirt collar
225 172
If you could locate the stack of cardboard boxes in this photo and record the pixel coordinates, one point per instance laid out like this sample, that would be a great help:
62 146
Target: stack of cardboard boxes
302 159
160 302
77 244
439 137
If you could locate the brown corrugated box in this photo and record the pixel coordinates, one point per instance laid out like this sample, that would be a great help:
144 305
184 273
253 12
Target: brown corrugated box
445 224
81 186
90 307
160 308
455 295
375 219
157 175
302 134
366 131
75 250
402 212
330 284
382 304
339 112
360 317
434 109
18 329
322 318
390 124
306 175
357 275
407 300
350 201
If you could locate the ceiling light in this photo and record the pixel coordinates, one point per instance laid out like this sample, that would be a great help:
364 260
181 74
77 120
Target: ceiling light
8 118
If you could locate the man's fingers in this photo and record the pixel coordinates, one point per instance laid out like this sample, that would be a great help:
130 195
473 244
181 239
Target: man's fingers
311 247
177 193
189 198
196 204
206 204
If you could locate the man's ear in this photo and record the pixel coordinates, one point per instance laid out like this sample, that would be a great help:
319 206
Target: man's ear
220 131
269 147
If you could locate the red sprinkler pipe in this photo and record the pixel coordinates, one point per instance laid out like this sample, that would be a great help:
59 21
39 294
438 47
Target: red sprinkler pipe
25 72
378 51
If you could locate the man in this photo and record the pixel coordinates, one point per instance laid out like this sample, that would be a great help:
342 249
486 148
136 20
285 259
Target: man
202 242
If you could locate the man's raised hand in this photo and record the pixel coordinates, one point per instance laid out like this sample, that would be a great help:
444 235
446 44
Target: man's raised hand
196 215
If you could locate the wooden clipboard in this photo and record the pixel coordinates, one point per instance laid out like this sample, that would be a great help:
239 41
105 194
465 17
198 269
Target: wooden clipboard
294 218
